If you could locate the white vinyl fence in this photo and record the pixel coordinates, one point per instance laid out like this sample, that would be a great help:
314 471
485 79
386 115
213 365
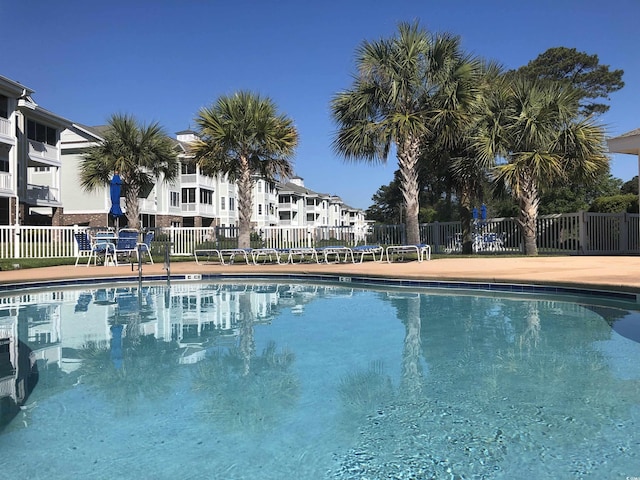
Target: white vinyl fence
581 233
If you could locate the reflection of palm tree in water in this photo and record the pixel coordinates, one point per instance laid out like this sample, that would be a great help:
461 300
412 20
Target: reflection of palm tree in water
247 340
364 391
412 381
531 335
246 391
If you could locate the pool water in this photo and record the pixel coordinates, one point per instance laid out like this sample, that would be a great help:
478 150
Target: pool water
266 381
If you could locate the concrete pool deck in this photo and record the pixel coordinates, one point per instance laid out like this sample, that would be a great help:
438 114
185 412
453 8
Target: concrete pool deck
619 273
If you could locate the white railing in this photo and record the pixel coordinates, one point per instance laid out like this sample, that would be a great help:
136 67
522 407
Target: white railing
148 205
286 237
6 181
5 127
577 233
43 151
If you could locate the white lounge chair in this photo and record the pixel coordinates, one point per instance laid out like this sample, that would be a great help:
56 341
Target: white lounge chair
372 250
422 251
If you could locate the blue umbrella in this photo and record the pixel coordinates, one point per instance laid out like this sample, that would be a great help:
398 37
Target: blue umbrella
483 211
114 188
474 212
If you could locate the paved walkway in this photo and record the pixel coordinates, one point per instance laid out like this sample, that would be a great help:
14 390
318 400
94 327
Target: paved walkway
610 273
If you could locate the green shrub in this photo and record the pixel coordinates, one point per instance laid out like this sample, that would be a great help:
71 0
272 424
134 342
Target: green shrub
615 204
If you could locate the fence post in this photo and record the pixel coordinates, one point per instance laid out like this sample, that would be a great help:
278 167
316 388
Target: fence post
582 232
16 241
624 233
436 236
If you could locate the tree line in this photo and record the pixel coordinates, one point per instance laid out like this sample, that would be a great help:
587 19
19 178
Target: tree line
464 130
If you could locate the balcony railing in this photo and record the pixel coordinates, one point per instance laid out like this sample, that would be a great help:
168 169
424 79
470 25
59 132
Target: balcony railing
201 208
39 194
5 127
43 151
6 181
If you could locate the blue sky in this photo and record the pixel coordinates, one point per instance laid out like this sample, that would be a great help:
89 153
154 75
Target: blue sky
163 60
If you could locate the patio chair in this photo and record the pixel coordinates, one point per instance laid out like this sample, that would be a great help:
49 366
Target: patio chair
92 250
422 250
372 250
145 245
127 244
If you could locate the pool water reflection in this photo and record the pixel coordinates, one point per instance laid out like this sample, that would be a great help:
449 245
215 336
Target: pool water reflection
273 381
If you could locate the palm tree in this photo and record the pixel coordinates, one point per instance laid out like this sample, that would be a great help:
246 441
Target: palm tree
469 172
141 154
400 95
535 130
242 136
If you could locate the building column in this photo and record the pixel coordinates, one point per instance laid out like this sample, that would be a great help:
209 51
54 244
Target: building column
13 210
57 218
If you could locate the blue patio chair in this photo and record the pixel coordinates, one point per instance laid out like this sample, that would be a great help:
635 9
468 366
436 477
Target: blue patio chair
92 250
127 244
145 245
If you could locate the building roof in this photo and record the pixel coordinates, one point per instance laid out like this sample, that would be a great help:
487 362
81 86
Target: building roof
628 143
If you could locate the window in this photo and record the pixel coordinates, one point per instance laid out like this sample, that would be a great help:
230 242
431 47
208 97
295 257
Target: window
188 195
188 168
223 203
259 187
41 133
259 209
4 106
232 203
206 196
175 199
41 169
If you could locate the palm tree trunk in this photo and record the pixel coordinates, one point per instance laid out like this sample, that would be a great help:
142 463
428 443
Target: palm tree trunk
133 207
465 217
407 162
529 203
245 204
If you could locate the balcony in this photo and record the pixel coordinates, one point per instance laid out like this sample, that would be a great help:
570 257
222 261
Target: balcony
42 195
198 208
6 132
42 152
194 179
147 205
288 206
6 181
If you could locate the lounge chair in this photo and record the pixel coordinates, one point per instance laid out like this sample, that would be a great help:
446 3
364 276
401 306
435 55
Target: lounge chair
267 253
422 250
302 253
372 250
233 253
334 251
209 253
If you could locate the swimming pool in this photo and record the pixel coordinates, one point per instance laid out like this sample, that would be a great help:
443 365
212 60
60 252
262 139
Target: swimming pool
299 380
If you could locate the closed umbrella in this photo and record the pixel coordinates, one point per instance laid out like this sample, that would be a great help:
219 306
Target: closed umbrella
115 188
